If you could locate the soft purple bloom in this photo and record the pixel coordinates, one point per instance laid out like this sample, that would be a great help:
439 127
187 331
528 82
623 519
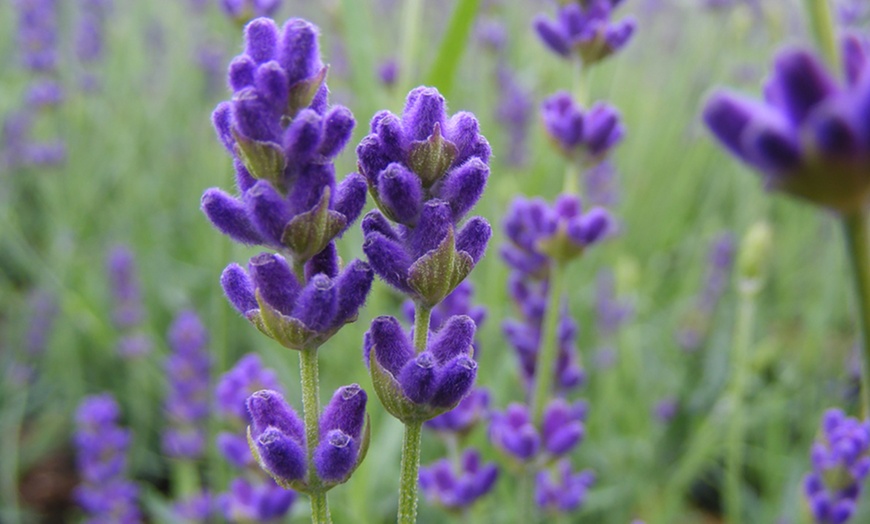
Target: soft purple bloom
492 34
44 93
562 490
244 10
442 484
43 308
50 153
243 380
299 315
187 403
283 137
840 465
38 34
666 409
720 261
15 134
105 494
514 111
585 29
808 137
134 345
255 502
587 134
514 432
388 72
611 311
601 183
124 285
196 509
466 414
90 36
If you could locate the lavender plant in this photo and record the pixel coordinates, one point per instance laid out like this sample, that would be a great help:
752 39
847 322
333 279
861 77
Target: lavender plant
283 136
425 172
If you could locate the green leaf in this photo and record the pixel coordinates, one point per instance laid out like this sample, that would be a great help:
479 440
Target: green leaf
394 400
439 271
263 160
309 233
452 46
288 331
431 158
302 92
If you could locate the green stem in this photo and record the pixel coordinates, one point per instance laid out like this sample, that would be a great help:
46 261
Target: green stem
412 21
855 225
736 424
299 271
311 414
421 327
526 515
410 472
822 25
571 184
549 345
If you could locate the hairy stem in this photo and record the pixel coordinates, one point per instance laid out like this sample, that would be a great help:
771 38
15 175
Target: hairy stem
311 413
736 424
855 225
549 344
822 25
410 472
421 327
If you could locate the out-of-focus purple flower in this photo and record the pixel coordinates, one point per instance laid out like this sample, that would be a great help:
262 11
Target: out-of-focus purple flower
298 315
124 285
466 414
840 465
562 490
187 404
720 261
90 36
807 138
388 72
442 484
197 509
283 137
244 10
243 380
514 110
586 135
45 154
13 142
278 435
44 93
43 308
211 60
105 494
426 384
38 34
611 312
585 29
666 409
602 184
492 34
852 13
513 431
134 345
255 502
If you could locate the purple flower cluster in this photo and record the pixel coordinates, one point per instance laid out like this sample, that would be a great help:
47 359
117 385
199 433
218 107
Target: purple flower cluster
808 138
298 315
561 490
244 10
129 312
456 487
601 184
585 29
513 431
38 34
720 262
582 135
254 497
105 494
90 36
283 137
187 403
425 172
841 463
514 112
278 436
419 386
458 302
198 508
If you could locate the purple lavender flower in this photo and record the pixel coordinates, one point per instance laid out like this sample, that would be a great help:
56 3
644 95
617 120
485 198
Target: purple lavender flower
13 142
514 111
419 386
492 34
90 36
720 262
236 385
244 10
296 314
587 135
462 419
602 184
425 172
666 409
196 509
840 466
278 436
44 93
807 138
455 490
104 494
388 72
585 29
283 137
45 154
187 405
38 34
611 312
562 490
124 285
255 502
43 308
562 429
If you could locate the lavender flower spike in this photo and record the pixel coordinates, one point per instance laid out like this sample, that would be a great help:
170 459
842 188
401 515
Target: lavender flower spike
808 138
585 29
457 490
562 491
841 463
586 135
418 387
513 430
299 316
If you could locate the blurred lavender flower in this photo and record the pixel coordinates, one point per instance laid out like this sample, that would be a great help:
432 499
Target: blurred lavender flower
513 431
197 509
45 154
806 138
210 58
388 72
421 385
562 490
187 406
38 34
16 130
243 10
492 34
458 487
283 137
583 135
514 112
720 261
105 494
129 312
256 502
44 93
602 184
43 308
852 13
611 312
666 409
840 464
585 29
462 419
90 36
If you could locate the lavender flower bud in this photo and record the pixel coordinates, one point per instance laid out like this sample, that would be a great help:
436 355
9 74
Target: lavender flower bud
584 29
562 490
457 490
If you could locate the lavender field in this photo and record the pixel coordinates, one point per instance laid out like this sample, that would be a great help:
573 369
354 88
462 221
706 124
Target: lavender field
491 261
